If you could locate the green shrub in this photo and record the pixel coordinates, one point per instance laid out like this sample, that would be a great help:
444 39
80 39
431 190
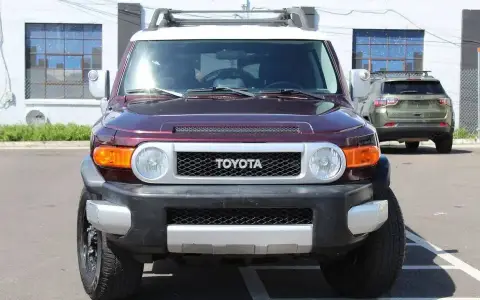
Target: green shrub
48 132
462 133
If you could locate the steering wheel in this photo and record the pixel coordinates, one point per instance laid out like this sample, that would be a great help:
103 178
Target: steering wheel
228 73
284 84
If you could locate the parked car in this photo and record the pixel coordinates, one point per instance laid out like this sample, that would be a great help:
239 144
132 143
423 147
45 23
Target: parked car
235 141
409 107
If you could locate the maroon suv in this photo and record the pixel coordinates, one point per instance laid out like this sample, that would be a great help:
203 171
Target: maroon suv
220 140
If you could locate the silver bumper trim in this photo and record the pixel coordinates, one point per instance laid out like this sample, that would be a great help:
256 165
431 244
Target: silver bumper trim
108 217
240 239
367 217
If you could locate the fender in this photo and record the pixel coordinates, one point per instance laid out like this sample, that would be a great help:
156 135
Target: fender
381 178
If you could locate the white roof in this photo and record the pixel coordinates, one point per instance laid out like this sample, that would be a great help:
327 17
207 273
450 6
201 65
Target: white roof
232 32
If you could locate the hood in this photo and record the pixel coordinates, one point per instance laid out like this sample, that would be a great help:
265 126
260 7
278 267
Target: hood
164 116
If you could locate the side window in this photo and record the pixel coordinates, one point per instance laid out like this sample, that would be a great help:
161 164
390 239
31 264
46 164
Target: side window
328 70
253 69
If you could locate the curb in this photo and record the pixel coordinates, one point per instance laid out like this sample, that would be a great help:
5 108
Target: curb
456 142
46 145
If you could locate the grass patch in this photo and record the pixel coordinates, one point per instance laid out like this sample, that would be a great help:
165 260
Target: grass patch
462 133
48 132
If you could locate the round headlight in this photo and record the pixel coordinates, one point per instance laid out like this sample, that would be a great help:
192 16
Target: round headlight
327 163
151 163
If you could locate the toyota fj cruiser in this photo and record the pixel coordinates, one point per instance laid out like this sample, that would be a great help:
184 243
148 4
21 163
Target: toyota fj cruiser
235 141
409 107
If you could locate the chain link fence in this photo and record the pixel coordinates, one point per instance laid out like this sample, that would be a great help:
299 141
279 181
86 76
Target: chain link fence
468 109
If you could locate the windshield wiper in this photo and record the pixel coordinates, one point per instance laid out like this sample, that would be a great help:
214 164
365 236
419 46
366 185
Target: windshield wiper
409 92
296 91
237 91
154 91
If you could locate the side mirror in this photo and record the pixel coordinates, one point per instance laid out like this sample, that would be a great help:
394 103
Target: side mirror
99 86
359 83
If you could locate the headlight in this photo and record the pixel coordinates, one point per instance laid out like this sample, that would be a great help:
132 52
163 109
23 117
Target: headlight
150 163
327 163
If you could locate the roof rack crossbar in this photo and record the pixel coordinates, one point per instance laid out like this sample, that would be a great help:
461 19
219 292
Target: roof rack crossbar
285 18
390 74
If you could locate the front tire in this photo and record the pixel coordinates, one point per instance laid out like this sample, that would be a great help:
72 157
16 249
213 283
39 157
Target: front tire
372 269
107 273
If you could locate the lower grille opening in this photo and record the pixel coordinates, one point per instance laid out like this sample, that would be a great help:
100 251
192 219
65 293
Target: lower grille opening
239 216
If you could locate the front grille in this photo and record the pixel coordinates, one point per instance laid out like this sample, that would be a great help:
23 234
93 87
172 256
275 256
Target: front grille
236 129
239 216
213 164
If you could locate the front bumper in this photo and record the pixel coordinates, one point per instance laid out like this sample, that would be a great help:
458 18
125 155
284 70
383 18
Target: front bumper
135 216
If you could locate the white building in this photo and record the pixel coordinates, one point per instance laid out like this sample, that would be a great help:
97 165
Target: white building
49 46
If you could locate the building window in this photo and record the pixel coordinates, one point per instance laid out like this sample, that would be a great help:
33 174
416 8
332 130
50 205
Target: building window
388 50
58 58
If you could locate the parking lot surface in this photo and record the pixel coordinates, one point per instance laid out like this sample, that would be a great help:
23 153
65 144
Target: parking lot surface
438 193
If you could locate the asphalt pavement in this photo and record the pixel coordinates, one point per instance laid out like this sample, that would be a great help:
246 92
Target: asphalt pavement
439 196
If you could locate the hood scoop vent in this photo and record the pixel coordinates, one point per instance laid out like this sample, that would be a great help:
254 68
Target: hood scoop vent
237 129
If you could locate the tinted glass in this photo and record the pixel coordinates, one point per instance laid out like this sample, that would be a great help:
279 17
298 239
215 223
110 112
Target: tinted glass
258 65
413 87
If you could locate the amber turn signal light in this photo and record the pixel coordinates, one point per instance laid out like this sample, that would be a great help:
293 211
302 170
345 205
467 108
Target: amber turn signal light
113 157
362 156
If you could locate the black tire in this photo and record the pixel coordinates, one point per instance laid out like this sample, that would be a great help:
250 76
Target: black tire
116 274
445 144
412 146
371 270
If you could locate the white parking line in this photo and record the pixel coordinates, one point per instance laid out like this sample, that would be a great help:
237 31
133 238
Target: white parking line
456 262
258 291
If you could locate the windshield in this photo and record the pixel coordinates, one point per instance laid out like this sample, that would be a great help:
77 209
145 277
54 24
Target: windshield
413 87
254 65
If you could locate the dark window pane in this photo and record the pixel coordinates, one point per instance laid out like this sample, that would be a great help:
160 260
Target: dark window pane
73 76
415 36
396 51
35 46
74 46
379 37
35 30
361 37
35 91
73 31
73 62
379 51
55 92
414 65
55 61
418 87
92 47
74 91
55 75
87 62
361 64
395 65
414 51
97 62
54 31
35 75
92 31
362 51
379 65
55 46
36 61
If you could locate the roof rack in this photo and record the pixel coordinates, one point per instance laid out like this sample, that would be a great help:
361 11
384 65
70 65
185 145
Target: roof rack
399 74
285 18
